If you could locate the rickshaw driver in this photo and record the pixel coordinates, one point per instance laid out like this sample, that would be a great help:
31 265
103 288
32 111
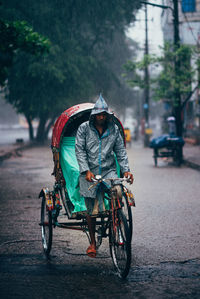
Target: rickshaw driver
96 142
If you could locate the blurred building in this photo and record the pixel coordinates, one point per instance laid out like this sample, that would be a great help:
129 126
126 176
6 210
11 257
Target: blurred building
189 29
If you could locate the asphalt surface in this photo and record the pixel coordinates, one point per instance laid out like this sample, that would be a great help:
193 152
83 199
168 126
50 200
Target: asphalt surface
165 248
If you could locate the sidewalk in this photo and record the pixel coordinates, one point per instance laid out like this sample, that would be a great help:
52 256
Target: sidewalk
13 150
8 151
191 153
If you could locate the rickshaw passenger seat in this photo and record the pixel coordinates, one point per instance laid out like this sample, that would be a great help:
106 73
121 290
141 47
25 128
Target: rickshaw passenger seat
68 161
71 173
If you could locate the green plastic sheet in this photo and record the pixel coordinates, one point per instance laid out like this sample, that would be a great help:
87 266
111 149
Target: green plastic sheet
71 173
70 169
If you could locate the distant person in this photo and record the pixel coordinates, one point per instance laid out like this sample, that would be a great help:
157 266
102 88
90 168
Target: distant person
171 125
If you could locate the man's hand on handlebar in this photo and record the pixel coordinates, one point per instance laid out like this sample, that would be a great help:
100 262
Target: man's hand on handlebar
98 179
129 175
89 176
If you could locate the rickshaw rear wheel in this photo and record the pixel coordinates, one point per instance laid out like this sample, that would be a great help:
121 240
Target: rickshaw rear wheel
47 229
120 244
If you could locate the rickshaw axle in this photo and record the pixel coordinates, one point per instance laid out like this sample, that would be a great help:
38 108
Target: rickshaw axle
73 225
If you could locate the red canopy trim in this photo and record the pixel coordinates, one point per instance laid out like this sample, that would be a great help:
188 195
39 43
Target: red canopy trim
63 119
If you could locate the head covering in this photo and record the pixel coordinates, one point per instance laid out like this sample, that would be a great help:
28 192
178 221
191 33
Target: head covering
100 106
171 118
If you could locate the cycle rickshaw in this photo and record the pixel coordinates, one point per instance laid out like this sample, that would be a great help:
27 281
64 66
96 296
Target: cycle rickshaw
166 146
115 223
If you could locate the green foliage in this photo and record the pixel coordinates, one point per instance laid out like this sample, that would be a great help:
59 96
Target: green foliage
170 79
17 36
78 65
28 40
134 71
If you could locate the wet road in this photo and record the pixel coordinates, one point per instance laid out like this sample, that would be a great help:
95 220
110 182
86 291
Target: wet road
166 241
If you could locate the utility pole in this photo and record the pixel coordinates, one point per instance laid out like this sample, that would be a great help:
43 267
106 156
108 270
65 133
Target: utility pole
146 79
147 131
177 70
177 63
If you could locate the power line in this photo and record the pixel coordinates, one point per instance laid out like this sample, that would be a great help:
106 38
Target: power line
156 5
196 40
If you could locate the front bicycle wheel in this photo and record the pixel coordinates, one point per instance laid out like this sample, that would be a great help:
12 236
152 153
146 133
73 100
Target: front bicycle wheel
120 245
47 230
127 213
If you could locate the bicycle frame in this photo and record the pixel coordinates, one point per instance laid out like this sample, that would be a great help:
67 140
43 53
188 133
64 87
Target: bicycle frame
112 224
53 204
115 203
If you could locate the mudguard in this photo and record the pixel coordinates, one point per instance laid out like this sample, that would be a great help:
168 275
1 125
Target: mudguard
48 198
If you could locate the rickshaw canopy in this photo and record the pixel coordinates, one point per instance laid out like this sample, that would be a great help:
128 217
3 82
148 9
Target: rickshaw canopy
72 114
63 119
63 147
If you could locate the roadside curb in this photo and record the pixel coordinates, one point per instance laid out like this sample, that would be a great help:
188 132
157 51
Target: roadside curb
16 152
191 164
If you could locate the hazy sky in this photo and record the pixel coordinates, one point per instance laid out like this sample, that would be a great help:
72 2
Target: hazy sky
155 36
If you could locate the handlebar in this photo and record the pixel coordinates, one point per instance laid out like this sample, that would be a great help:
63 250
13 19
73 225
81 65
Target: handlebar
98 179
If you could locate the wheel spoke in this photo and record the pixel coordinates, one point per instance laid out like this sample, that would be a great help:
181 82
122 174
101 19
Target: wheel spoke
46 225
120 247
128 214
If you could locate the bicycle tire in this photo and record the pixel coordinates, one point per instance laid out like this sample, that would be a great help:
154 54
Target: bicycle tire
47 229
120 245
128 214
64 197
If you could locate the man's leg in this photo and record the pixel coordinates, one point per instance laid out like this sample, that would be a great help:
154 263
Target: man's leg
91 221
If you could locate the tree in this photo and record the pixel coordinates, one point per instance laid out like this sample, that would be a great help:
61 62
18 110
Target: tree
76 68
165 84
18 36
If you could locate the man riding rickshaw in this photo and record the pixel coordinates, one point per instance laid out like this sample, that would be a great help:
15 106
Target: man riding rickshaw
97 142
90 166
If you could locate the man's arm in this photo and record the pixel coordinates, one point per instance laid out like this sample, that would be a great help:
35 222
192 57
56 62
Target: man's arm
122 157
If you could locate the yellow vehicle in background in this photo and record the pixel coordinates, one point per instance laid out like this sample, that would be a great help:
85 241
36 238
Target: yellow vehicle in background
127 132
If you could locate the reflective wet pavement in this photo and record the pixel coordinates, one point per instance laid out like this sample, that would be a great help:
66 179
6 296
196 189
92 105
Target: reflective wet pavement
165 263
30 276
